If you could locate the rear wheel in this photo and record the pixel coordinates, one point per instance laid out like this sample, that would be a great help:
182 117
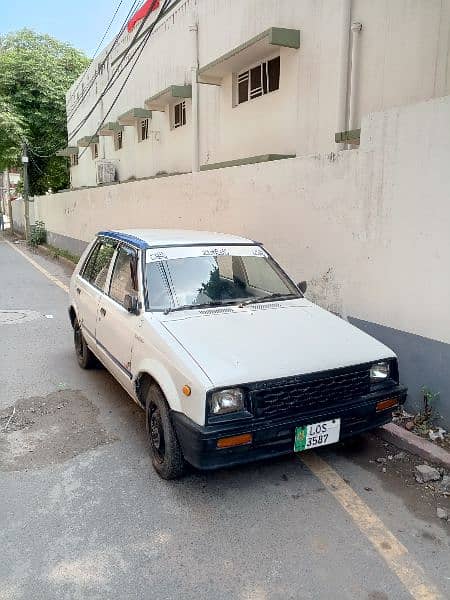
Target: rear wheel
85 358
165 450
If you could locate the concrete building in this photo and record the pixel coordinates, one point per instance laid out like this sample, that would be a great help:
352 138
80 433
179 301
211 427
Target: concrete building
222 82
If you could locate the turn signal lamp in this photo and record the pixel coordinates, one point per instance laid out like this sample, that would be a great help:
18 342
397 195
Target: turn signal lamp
385 404
235 440
187 390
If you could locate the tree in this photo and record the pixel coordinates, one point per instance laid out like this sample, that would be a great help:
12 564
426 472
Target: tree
35 73
11 133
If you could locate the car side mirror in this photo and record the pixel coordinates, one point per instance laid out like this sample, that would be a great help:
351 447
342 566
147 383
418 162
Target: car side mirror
302 286
131 303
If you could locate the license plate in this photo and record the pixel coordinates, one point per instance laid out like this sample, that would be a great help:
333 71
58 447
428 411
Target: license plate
318 434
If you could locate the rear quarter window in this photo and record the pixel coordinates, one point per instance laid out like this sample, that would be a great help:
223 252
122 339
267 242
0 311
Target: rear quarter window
95 270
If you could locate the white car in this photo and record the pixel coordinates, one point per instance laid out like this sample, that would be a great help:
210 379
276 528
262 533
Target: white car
215 342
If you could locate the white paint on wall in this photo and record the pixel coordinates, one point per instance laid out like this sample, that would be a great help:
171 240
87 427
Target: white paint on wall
369 228
404 59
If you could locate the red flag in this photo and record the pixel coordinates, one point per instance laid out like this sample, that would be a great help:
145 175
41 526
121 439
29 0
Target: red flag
145 9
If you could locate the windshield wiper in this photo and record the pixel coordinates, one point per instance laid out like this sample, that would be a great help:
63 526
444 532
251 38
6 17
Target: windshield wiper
195 306
269 298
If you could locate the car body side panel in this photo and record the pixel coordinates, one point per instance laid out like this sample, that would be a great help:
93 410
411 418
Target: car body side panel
165 360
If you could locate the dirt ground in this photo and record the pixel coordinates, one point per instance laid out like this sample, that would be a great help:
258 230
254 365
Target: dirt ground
43 431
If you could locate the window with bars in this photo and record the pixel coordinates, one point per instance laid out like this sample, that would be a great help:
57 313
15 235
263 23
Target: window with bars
118 140
73 160
259 80
94 149
179 114
143 128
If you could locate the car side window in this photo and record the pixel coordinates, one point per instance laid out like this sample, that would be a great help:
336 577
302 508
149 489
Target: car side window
96 268
124 277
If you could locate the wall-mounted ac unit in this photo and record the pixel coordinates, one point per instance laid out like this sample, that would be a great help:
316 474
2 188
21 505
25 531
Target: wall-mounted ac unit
106 171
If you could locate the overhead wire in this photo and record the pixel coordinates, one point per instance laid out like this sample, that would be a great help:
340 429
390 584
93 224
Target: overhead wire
137 51
161 13
107 29
86 91
79 101
118 71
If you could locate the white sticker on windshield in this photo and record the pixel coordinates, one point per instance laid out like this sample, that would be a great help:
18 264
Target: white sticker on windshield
159 254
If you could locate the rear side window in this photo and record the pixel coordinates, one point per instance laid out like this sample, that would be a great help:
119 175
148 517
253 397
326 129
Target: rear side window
96 268
124 277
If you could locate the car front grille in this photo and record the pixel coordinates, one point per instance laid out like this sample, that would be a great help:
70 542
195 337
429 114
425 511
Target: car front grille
309 393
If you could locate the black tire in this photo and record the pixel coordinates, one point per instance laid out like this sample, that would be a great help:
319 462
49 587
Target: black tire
85 358
165 449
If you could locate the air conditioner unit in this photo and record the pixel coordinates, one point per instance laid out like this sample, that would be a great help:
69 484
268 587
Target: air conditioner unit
106 171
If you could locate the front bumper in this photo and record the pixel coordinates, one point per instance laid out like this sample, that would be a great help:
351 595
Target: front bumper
276 436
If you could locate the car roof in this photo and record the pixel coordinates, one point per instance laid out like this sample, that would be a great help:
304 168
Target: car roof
162 238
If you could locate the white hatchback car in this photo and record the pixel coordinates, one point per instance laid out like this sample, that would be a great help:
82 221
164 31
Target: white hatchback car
215 342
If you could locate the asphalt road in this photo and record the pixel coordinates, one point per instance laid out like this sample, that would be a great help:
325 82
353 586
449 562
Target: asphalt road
83 515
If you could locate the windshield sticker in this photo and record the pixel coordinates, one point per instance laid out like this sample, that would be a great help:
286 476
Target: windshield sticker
156 255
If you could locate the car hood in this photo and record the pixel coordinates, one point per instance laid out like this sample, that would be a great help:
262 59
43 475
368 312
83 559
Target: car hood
269 340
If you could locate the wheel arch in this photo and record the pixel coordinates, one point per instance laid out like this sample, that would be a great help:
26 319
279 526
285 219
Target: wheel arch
150 374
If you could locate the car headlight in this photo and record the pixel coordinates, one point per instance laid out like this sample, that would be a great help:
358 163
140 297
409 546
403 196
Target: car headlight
379 371
226 401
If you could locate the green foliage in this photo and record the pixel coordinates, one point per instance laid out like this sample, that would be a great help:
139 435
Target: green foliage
425 418
38 234
11 132
36 72
56 253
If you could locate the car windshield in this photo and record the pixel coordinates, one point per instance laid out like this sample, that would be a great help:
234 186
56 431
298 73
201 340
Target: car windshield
213 277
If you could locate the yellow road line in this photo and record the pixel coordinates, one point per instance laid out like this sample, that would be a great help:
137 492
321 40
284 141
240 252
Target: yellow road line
52 278
387 545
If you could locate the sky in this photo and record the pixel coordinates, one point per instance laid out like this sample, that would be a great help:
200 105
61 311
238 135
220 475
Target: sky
82 23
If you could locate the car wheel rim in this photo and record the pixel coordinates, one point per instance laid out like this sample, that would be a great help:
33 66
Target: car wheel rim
157 435
78 342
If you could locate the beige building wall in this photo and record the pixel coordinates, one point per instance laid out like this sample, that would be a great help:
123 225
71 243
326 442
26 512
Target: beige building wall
403 58
368 228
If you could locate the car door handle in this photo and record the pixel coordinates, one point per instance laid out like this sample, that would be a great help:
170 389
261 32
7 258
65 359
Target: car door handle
103 312
78 291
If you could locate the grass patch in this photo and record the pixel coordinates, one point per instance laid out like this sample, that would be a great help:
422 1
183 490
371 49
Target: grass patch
60 252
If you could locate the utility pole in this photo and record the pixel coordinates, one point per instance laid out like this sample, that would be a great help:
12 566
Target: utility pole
7 197
26 191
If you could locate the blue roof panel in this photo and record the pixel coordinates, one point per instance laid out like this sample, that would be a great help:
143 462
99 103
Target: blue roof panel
126 237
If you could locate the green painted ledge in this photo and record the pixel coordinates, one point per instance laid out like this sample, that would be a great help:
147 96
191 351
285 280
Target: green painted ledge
348 137
87 141
275 36
250 160
131 117
166 96
110 128
69 151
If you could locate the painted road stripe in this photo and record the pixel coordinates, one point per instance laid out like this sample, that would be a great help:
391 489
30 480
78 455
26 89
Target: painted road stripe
387 545
52 278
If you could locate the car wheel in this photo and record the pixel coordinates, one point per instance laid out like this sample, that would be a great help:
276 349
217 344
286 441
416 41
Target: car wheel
165 450
85 358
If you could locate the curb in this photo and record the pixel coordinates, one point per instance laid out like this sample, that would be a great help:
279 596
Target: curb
414 444
61 259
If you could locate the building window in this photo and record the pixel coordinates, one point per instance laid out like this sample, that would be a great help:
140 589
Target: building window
73 160
94 149
259 80
118 140
143 130
179 114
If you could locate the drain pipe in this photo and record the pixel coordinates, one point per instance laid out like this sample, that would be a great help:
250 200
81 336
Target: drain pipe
193 28
346 16
354 75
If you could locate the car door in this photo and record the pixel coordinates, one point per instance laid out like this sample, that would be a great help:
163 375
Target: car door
116 326
90 285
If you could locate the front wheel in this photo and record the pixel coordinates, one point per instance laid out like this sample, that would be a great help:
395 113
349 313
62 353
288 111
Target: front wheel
85 358
165 450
